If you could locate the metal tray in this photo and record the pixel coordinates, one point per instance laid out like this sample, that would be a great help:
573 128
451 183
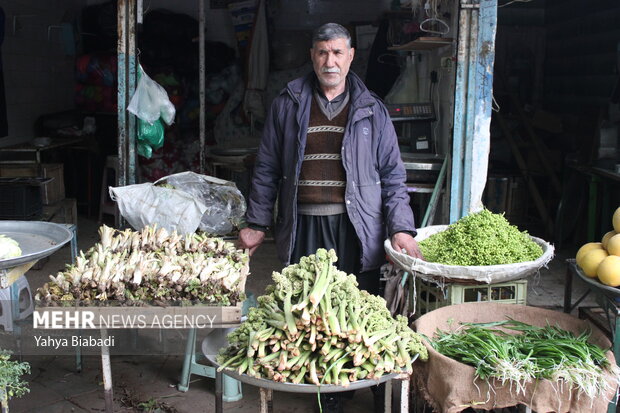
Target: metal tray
217 340
611 292
37 239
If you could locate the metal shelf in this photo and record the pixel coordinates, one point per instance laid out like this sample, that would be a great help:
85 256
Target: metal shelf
423 43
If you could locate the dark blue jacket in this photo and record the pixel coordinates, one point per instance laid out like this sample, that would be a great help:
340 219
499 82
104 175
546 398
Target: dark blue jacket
376 196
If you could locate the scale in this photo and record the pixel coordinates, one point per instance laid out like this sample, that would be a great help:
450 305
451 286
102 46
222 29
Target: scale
400 112
36 239
412 122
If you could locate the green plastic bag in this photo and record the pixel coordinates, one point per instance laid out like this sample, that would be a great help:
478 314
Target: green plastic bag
150 137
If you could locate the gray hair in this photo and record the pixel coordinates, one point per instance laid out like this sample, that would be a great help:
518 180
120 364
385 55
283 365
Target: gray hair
331 31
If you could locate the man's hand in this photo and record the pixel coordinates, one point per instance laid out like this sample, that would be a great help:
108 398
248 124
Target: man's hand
402 240
250 238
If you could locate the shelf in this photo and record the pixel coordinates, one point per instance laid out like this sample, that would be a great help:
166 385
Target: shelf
424 43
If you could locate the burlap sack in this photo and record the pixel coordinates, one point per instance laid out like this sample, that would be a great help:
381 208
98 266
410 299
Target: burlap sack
450 386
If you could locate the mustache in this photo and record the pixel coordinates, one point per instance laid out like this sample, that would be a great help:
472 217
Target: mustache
330 70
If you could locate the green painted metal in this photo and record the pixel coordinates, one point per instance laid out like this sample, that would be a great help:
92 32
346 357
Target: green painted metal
232 387
432 204
121 49
127 76
593 207
132 77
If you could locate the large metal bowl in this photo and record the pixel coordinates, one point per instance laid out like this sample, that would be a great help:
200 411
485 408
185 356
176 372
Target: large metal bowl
595 284
217 339
37 239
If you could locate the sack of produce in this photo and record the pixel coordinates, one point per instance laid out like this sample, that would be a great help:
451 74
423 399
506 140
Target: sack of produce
481 247
314 326
546 360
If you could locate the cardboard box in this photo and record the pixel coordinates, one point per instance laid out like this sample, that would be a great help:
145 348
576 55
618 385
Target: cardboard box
51 192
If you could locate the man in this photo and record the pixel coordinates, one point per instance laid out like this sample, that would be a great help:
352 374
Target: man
329 155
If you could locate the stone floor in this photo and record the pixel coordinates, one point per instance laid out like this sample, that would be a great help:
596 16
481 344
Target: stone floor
148 383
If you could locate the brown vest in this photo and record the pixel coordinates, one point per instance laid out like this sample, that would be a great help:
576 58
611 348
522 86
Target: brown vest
322 179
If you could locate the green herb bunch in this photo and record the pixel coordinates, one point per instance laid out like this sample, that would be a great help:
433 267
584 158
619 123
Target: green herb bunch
483 238
10 376
532 353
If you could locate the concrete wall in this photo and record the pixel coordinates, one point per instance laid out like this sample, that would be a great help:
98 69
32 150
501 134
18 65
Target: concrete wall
38 75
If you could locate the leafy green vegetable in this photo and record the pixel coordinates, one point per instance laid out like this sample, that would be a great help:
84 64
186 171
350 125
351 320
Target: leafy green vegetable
536 353
10 376
483 238
9 248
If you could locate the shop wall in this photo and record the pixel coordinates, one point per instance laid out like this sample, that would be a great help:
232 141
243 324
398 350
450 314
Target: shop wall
38 74
582 49
308 14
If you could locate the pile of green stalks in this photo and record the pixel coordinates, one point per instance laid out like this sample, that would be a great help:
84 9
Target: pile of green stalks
314 326
528 354
482 238
151 266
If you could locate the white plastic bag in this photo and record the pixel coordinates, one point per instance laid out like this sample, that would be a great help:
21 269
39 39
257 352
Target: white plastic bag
406 88
150 101
225 205
147 204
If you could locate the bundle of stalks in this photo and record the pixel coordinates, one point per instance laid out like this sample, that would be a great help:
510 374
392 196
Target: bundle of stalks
315 326
151 266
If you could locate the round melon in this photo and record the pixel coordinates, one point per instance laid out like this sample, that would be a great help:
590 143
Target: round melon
608 271
613 245
606 237
585 248
591 261
616 220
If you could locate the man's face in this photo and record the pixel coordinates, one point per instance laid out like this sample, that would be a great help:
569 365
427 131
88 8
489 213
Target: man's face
331 60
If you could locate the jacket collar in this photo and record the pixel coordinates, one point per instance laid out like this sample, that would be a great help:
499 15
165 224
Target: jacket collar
301 89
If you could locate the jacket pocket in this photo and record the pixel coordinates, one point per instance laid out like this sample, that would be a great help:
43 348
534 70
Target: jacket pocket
369 194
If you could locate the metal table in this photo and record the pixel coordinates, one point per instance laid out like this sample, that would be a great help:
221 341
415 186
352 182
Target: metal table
30 148
217 340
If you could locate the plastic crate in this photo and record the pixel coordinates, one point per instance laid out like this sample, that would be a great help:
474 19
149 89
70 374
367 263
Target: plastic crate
20 202
429 297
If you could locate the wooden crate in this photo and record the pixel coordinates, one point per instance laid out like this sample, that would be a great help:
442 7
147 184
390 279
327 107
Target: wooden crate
61 212
52 191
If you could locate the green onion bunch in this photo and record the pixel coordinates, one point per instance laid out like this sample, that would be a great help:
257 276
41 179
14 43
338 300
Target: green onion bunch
483 238
530 353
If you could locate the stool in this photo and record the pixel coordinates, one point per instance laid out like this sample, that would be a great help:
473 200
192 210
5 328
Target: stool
21 295
106 205
6 314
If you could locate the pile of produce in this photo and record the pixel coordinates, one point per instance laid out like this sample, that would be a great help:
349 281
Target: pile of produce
315 326
601 260
534 353
11 382
483 238
9 248
151 266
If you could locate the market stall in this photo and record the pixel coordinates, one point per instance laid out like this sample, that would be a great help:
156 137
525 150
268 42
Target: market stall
466 269
152 275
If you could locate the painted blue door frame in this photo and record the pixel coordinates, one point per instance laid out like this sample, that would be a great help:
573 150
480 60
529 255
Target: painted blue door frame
472 105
